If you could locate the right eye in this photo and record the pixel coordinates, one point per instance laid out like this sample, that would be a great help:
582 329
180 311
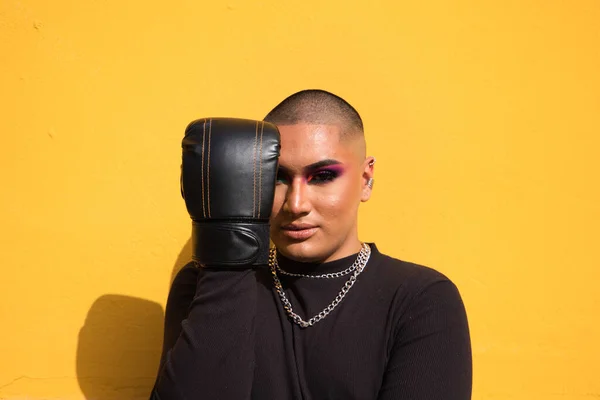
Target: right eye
281 178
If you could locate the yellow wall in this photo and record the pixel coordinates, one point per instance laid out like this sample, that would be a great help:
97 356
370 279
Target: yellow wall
483 116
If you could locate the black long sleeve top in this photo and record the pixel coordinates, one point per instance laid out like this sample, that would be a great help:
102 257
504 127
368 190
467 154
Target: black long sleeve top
400 333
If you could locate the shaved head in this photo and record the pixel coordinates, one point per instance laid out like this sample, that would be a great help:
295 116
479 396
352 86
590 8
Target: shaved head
318 107
322 178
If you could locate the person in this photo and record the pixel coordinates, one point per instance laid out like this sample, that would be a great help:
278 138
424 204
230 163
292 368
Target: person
332 317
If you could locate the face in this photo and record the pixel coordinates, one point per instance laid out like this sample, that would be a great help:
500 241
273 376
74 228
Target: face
320 184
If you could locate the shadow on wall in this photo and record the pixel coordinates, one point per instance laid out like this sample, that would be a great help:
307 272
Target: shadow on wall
119 346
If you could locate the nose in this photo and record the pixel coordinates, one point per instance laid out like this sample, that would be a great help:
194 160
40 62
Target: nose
296 198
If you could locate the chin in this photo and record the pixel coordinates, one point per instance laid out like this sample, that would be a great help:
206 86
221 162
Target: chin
304 251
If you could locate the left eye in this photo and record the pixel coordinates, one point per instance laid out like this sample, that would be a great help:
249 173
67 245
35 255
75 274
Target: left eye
323 176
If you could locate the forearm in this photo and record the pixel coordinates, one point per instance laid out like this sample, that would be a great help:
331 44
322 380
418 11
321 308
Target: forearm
213 356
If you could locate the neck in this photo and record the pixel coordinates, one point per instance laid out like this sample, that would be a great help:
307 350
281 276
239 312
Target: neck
317 267
348 248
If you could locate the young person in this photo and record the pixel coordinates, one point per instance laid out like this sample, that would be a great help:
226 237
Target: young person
331 317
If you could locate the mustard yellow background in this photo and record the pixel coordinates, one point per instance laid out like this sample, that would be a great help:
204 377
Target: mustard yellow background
483 116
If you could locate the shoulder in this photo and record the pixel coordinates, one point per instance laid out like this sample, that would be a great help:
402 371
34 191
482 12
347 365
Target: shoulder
409 276
418 295
409 288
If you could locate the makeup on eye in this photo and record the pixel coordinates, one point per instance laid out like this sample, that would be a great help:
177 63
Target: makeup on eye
324 175
320 172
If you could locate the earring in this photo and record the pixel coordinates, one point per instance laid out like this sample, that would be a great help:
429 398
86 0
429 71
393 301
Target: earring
372 162
370 183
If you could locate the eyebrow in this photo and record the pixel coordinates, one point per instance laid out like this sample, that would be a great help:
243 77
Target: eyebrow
313 166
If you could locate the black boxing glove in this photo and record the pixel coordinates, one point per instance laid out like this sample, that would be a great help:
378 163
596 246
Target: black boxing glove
228 175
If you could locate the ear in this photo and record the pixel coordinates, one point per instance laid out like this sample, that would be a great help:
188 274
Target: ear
367 176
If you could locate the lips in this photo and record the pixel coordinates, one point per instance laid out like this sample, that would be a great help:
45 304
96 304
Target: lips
297 226
299 231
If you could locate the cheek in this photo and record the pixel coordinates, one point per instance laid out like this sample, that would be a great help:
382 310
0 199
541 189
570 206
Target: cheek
341 201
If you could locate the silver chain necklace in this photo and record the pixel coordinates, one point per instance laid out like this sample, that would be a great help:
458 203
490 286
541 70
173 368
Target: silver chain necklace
357 267
323 276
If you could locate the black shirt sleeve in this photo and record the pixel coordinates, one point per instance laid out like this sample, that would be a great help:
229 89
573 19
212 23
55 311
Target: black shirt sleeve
431 355
213 354
181 294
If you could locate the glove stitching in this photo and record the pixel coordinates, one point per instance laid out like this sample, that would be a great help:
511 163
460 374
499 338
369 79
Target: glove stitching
262 127
202 166
208 168
254 178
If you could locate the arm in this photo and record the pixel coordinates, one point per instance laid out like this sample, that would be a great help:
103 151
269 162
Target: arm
214 354
181 294
228 176
431 355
